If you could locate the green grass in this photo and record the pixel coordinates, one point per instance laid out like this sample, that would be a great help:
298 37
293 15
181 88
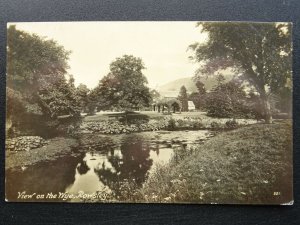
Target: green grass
252 164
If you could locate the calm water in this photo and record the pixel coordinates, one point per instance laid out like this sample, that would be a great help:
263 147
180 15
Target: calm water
91 168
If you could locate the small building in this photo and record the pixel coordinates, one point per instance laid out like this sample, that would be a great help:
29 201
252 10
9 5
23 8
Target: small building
191 106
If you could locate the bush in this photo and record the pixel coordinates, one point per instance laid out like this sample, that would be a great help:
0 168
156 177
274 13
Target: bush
219 105
229 100
171 124
134 118
215 125
231 124
197 124
116 127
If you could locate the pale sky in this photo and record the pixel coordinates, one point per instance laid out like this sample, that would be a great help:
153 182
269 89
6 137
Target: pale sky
94 45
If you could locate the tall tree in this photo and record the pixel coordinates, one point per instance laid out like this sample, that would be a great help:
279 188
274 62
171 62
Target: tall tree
261 53
154 94
124 88
196 98
201 88
92 102
183 98
33 62
82 92
36 69
71 81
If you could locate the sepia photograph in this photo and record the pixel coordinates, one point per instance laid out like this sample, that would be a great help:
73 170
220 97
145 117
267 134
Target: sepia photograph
149 112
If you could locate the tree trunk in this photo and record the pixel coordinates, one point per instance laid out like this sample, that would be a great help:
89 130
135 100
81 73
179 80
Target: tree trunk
266 109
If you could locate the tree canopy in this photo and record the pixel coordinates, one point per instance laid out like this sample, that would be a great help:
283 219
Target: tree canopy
183 98
124 87
200 87
82 93
260 53
198 98
33 61
36 69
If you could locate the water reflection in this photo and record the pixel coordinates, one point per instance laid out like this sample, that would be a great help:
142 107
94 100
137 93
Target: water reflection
85 177
45 177
130 161
130 157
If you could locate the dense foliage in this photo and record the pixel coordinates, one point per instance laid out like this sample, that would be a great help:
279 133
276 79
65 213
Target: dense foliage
260 53
198 98
36 83
82 93
183 98
230 100
124 88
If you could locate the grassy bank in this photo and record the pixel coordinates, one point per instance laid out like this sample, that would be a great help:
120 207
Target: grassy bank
252 164
56 148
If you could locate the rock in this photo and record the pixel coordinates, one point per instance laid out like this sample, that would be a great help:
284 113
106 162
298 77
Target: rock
25 143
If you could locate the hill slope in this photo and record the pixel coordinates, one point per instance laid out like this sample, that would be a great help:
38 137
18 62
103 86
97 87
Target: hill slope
174 86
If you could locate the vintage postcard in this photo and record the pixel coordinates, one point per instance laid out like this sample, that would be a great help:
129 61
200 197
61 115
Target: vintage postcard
149 112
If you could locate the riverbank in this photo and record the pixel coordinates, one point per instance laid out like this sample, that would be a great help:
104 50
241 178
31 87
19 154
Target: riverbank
60 146
252 164
101 123
55 148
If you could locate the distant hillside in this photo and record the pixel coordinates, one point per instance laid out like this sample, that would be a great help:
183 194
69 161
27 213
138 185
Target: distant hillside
174 86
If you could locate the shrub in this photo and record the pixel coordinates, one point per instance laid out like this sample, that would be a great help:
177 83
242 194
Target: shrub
231 124
171 124
197 124
181 122
116 127
219 105
215 125
229 100
134 118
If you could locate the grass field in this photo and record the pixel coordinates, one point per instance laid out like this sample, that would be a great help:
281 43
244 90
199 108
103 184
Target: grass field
252 164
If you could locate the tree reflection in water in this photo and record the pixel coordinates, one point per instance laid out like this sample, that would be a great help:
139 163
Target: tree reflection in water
82 168
51 177
104 164
130 163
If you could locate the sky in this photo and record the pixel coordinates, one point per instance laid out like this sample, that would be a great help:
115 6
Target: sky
94 45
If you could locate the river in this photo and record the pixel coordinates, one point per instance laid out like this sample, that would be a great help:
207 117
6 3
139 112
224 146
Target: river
106 167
